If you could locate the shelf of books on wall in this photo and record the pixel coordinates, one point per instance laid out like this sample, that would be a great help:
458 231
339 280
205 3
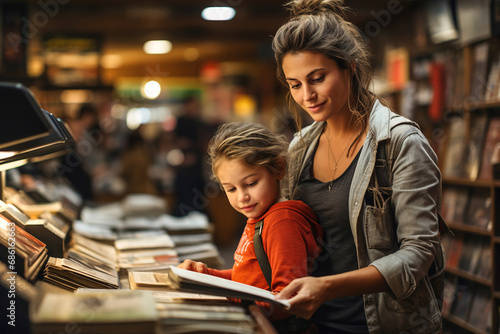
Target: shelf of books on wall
469 153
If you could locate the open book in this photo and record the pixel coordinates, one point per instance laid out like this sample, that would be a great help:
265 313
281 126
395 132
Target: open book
192 281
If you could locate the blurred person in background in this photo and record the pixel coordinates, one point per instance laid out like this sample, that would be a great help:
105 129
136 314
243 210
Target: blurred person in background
192 139
136 161
74 166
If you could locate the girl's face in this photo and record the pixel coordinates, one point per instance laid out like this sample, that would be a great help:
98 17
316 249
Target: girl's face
317 84
251 190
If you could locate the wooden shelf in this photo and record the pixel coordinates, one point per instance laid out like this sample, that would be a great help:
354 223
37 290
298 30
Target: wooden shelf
469 229
461 323
469 276
484 105
481 105
466 182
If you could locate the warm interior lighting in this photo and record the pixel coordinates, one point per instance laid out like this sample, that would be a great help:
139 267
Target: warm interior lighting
218 13
151 90
111 61
191 54
76 96
244 105
157 47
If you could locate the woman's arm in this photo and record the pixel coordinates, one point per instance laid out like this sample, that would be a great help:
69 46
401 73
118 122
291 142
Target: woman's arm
308 293
416 191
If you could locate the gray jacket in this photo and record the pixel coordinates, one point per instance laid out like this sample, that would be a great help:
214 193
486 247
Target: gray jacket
401 243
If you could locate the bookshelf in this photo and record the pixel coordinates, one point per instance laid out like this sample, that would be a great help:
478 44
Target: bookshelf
460 117
471 194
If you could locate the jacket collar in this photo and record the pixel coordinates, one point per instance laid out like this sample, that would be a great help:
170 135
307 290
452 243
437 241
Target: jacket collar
379 124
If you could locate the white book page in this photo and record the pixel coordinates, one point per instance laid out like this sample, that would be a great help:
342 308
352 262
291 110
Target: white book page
225 284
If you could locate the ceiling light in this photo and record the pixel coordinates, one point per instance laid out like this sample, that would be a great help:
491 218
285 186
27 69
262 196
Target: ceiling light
218 13
157 47
151 90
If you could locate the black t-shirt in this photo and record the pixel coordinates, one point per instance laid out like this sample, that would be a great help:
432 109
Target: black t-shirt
341 315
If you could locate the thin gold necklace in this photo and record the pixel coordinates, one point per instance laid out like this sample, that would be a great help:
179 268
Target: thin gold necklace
333 156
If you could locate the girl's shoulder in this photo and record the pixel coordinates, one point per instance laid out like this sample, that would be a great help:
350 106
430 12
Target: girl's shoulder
290 210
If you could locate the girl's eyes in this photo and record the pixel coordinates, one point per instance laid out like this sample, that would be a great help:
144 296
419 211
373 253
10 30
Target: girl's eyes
230 190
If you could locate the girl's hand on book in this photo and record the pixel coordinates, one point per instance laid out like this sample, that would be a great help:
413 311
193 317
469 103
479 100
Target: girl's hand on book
199 267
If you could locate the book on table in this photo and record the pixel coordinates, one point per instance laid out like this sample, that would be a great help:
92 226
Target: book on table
99 311
191 281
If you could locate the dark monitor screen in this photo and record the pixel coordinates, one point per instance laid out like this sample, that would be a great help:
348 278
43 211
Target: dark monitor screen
20 116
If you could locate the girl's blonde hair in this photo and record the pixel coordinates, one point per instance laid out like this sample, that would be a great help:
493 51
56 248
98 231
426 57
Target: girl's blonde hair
320 26
251 143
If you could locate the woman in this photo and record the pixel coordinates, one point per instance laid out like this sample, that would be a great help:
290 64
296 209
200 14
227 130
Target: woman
372 274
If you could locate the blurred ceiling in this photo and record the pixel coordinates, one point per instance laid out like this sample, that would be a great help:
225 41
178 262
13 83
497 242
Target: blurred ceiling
124 25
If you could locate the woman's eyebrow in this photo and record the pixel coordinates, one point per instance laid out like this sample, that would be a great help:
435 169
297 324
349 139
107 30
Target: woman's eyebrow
308 75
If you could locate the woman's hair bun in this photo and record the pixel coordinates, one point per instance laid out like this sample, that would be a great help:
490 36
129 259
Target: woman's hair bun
315 7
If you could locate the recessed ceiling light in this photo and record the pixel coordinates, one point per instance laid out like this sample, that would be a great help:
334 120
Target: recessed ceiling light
157 47
218 13
151 90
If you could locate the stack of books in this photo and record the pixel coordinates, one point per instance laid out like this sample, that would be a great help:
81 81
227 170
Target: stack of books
24 254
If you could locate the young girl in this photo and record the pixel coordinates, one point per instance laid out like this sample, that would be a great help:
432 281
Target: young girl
248 160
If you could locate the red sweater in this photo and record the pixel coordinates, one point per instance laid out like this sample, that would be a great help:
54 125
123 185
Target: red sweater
290 237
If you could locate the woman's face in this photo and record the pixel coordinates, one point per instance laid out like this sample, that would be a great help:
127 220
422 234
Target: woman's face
251 190
317 84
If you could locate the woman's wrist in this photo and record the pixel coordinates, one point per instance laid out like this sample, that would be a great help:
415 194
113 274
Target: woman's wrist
352 283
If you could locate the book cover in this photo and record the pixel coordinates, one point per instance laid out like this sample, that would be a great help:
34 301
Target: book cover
26 245
455 251
478 211
450 289
471 251
492 138
491 93
485 264
455 149
479 74
462 304
112 311
475 147
480 313
454 203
